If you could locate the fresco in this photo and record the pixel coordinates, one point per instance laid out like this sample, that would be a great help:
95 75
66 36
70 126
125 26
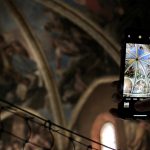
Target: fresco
20 80
74 57
114 16
101 11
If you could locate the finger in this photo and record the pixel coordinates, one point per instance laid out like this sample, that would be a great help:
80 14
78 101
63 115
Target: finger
115 83
114 112
116 97
142 105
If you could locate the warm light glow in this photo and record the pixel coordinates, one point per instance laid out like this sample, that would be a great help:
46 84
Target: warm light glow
107 136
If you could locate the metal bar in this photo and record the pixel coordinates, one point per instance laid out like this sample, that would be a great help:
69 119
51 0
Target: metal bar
54 124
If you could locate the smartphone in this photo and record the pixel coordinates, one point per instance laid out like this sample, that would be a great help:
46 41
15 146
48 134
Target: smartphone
134 73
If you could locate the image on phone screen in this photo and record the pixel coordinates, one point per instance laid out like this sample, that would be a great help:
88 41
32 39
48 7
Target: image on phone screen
137 70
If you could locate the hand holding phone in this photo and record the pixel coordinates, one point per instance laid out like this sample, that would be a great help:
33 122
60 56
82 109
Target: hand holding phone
117 97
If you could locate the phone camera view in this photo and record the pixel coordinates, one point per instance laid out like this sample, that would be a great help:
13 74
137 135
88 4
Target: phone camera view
137 70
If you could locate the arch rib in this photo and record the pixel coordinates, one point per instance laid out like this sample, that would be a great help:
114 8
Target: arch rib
36 50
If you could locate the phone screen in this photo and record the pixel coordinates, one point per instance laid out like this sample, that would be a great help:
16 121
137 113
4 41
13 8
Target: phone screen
137 71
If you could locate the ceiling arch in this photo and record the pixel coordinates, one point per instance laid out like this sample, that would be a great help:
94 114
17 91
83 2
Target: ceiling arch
35 47
84 98
95 31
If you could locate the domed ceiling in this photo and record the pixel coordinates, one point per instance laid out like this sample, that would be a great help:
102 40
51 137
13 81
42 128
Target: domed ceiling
52 51
73 57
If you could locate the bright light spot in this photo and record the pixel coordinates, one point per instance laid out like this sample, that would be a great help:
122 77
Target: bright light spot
140 36
129 36
107 136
